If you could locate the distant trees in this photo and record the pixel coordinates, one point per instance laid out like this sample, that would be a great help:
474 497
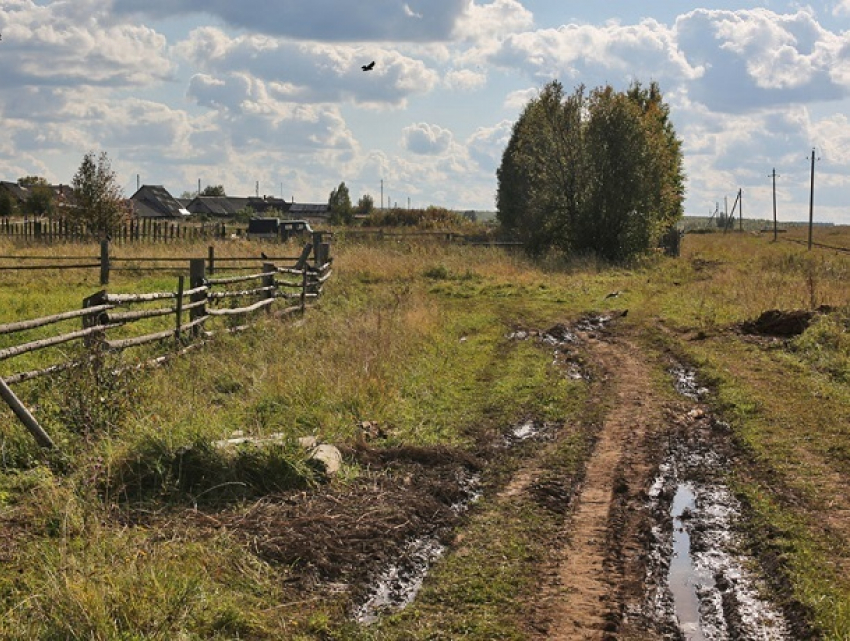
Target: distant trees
598 171
41 200
365 205
339 204
7 204
213 190
98 201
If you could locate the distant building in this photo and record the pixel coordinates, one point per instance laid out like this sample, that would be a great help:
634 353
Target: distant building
154 201
310 212
217 206
15 192
227 206
62 194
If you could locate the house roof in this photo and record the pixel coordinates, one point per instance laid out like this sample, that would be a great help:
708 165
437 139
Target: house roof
154 201
15 190
307 209
217 205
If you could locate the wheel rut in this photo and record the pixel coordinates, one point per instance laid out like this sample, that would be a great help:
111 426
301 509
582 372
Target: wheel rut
598 571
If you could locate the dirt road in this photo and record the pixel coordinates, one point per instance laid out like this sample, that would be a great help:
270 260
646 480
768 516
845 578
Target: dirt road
600 571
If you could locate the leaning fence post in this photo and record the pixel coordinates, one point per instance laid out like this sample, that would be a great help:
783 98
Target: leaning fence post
104 262
24 416
197 278
179 309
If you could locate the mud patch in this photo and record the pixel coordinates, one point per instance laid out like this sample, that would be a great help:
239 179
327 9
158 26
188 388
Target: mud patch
685 381
529 430
784 324
704 589
398 583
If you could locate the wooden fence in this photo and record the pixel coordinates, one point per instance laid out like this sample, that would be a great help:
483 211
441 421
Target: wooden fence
143 229
107 262
160 325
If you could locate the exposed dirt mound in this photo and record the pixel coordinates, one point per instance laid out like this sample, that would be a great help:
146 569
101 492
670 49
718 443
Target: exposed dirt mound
775 322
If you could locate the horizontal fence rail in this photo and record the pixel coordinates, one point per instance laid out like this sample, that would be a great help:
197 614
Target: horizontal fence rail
107 262
164 323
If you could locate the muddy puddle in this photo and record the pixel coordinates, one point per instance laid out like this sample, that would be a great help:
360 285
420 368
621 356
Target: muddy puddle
704 587
685 380
398 584
565 341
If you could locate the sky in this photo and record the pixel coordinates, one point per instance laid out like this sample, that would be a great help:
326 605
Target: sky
268 96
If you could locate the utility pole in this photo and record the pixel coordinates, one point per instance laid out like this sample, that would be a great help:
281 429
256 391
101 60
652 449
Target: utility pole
382 193
740 209
812 200
773 175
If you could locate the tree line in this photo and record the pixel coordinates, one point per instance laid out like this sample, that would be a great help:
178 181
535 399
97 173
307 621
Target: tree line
599 171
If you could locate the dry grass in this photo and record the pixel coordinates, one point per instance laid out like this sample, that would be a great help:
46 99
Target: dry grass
413 337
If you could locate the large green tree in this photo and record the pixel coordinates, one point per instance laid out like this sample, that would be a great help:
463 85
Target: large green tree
98 200
598 172
339 202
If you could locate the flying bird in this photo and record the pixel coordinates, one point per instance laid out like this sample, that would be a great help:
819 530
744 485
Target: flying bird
368 67
613 295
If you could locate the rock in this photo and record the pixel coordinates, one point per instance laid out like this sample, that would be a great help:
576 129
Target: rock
308 442
329 456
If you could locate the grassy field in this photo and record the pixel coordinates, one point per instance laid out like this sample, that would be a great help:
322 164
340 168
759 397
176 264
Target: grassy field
111 538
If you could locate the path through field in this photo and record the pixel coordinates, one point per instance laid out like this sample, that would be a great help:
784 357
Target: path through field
594 572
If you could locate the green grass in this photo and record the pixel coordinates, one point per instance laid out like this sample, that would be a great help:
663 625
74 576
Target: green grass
414 337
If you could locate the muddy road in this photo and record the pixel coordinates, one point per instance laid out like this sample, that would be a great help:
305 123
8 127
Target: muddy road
652 547
649 542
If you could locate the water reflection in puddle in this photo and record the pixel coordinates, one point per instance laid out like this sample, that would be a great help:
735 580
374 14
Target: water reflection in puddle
683 576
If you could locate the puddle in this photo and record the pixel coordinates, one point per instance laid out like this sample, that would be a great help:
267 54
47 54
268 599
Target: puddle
683 578
686 384
530 430
705 591
593 323
398 584
525 431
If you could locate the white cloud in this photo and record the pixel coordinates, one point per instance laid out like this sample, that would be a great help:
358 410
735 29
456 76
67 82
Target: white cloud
648 49
465 79
754 59
249 115
311 72
483 22
487 145
517 100
75 43
426 139
321 20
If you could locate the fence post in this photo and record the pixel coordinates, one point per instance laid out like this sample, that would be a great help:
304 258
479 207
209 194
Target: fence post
197 278
269 271
179 309
323 252
104 262
303 289
317 241
25 417
211 259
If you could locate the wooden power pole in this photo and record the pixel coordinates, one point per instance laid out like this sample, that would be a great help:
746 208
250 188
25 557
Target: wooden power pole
773 175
